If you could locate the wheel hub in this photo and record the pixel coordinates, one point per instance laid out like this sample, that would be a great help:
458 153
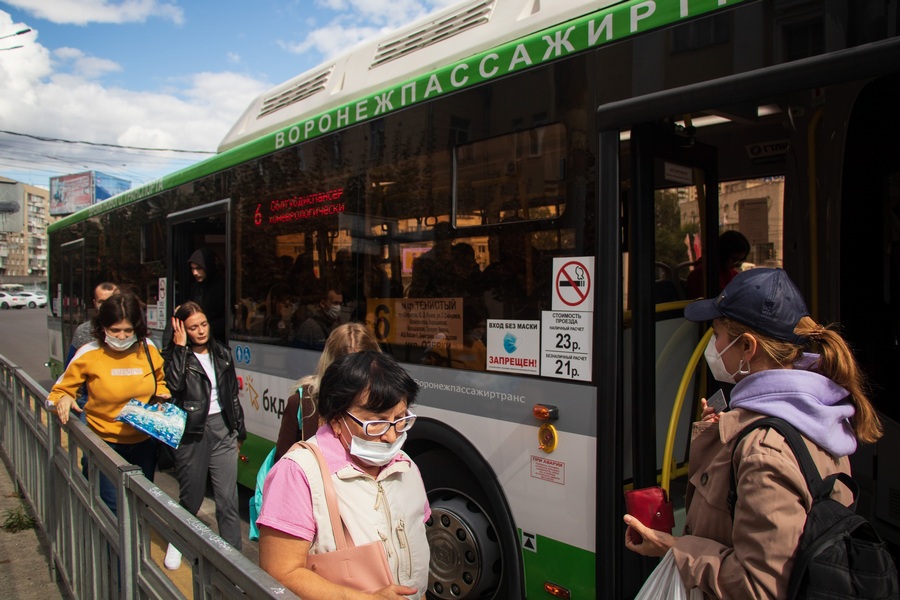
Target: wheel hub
464 550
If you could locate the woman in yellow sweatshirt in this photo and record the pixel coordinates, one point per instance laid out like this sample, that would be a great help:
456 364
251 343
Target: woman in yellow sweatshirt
121 364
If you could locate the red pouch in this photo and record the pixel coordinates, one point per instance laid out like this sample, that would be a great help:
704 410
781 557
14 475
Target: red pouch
651 507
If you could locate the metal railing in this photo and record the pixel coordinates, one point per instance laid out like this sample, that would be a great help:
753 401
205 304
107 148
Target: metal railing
94 552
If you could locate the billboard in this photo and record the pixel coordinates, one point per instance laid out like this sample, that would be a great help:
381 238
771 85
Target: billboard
71 193
12 216
107 186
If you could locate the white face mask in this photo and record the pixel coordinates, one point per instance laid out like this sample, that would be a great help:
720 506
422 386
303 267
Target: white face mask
375 454
717 365
372 453
120 345
333 311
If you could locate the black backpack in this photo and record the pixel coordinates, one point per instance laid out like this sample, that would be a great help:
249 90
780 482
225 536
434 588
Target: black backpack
839 555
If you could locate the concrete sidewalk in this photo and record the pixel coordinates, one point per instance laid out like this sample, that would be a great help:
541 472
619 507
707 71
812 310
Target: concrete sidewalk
24 561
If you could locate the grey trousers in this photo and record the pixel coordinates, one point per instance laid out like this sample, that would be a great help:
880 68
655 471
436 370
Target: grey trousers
216 453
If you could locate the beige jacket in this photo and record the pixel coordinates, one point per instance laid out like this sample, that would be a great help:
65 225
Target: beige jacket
751 558
389 508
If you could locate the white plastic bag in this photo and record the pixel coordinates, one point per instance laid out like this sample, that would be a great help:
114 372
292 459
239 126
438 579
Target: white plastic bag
665 583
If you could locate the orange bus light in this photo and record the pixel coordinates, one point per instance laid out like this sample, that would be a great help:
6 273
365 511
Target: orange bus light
556 590
545 412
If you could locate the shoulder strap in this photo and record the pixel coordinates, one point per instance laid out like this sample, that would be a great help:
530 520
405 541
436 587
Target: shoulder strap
300 408
152 370
334 513
807 466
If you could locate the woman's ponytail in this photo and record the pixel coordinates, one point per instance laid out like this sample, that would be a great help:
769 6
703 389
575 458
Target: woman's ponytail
838 364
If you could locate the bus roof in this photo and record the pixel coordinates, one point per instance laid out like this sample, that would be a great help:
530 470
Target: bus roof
459 47
441 38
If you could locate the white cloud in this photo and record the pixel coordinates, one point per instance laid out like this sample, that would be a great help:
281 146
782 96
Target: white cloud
64 92
330 40
384 12
89 67
61 95
82 12
357 20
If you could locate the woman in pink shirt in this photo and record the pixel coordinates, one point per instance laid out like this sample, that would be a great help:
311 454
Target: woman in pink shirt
364 401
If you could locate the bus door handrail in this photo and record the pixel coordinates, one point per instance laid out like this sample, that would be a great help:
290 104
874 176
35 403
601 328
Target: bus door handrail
669 450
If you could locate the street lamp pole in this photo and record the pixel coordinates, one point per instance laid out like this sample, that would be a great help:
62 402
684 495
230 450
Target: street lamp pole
20 32
9 35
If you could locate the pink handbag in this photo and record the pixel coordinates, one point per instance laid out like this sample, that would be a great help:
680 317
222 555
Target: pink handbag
363 568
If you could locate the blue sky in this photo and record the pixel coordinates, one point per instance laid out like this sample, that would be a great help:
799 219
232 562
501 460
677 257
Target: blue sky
157 74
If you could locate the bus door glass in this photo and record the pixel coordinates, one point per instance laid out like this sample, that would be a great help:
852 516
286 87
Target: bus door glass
74 293
674 180
204 230
686 218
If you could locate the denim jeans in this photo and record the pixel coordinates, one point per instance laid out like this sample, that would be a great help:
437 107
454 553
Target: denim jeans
142 454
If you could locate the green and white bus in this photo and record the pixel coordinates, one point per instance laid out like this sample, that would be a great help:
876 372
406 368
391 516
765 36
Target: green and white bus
511 194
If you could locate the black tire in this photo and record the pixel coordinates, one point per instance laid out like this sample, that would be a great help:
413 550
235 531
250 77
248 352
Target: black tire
475 551
32 305
5 306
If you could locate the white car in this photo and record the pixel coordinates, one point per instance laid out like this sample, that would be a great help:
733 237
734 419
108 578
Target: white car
8 300
33 299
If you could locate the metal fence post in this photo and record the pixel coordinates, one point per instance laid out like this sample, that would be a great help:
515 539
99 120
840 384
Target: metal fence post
80 529
126 515
51 521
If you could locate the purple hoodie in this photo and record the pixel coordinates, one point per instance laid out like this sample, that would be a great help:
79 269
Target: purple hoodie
819 408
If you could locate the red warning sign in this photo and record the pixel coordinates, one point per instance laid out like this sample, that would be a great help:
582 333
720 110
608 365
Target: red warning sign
572 277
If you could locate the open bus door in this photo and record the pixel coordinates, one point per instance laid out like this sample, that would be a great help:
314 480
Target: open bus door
188 230
668 168
72 298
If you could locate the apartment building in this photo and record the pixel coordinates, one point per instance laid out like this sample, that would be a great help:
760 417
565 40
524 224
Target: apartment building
24 216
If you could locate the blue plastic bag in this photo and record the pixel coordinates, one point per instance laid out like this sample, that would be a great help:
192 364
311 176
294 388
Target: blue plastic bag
163 421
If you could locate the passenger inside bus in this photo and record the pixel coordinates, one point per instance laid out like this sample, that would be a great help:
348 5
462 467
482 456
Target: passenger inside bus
469 352
432 275
326 315
517 283
208 289
280 307
362 276
733 251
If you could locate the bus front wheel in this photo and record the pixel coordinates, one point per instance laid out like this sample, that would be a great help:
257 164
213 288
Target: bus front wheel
465 553
474 542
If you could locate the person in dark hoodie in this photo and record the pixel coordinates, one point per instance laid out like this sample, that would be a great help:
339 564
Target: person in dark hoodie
761 329
208 290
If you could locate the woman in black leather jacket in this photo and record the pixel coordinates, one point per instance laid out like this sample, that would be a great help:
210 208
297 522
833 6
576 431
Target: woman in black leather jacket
200 374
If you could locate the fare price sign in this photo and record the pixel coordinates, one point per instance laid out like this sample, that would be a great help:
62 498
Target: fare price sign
566 344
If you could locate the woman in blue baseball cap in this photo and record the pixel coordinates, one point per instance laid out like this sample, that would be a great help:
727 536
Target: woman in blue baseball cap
761 330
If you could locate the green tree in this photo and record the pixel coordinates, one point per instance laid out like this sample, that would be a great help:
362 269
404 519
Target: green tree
670 248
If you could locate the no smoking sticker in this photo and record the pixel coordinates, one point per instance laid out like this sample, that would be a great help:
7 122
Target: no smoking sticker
573 283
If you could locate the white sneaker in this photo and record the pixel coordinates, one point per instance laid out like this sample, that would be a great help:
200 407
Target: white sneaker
173 558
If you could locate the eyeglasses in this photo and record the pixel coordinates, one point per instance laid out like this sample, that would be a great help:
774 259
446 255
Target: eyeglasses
377 428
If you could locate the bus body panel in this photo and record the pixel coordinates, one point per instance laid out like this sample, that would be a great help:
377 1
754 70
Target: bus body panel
507 170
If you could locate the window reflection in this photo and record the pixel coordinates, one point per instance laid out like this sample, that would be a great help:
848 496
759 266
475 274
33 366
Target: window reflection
427 223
